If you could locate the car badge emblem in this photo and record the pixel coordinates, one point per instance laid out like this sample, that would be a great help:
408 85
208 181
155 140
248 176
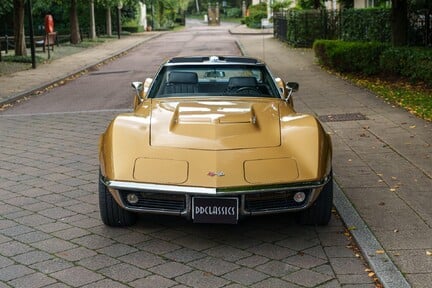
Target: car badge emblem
217 173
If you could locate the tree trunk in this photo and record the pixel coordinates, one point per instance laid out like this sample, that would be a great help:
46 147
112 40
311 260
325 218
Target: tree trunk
19 35
92 21
399 22
108 21
74 25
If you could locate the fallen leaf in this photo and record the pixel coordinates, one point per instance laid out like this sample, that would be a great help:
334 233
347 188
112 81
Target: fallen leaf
392 189
352 228
428 253
393 178
379 251
412 126
371 274
395 230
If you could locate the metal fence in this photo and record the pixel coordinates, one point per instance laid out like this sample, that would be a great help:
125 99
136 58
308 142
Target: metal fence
301 27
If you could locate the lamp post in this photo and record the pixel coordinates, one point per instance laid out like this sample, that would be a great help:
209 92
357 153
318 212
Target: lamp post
119 7
32 44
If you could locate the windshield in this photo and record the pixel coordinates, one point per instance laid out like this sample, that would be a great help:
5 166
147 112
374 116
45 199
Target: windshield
214 80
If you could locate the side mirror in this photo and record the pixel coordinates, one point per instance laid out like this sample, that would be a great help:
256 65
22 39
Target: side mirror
293 86
141 88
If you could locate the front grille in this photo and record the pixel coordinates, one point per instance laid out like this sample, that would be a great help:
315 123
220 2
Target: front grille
268 201
156 201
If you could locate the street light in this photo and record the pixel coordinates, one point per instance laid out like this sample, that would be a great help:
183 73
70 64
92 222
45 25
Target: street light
119 7
32 44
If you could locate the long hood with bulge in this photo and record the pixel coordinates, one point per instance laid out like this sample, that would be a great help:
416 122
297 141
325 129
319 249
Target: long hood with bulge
218 143
215 125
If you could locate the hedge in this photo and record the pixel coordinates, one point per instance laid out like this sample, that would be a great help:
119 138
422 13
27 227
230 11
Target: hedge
361 57
374 58
414 63
371 24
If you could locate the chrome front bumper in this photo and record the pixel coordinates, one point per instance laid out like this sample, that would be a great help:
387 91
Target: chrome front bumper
177 200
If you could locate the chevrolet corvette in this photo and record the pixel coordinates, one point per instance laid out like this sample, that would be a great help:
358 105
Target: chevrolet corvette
215 139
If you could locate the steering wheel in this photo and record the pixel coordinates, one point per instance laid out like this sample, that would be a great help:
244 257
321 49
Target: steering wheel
252 90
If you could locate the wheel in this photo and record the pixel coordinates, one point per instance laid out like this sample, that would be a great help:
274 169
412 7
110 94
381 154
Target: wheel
111 213
320 211
248 90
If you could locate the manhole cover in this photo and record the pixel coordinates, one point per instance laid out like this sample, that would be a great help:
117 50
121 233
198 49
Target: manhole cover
342 117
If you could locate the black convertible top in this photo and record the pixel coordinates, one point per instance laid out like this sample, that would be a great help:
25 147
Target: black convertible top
214 59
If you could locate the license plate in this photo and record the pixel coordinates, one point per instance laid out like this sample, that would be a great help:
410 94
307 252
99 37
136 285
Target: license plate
215 210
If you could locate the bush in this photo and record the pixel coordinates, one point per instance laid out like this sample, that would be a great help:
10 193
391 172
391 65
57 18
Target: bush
373 58
414 63
358 57
233 12
256 13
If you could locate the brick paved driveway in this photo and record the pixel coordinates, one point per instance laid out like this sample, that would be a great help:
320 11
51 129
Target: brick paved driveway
51 234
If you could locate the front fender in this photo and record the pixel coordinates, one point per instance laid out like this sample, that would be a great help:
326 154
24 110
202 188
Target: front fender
123 142
304 138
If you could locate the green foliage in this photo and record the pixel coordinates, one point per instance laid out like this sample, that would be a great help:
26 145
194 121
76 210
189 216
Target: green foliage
233 12
410 62
359 57
310 4
6 6
22 59
279 6
304 26
373 58
372 24
256 13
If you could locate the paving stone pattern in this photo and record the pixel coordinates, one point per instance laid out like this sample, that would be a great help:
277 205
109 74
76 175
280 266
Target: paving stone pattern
51 234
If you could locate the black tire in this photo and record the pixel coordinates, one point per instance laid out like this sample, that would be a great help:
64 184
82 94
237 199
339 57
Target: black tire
111 213
320 211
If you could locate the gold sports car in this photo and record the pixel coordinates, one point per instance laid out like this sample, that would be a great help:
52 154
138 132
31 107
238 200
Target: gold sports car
215 139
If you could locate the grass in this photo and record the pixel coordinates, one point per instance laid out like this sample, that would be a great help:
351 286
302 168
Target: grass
11 63
416 98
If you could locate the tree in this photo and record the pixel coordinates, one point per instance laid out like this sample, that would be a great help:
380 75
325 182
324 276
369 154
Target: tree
92 21
75 37
399 22
20 45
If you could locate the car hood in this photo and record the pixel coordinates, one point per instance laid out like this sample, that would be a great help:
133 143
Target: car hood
215 125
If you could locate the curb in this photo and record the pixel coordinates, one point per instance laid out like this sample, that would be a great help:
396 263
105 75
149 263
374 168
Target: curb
249 33
384 268
22 94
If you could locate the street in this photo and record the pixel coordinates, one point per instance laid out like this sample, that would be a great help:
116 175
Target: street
51 234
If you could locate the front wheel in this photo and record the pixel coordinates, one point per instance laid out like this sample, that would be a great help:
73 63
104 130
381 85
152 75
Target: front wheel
320 211
111 213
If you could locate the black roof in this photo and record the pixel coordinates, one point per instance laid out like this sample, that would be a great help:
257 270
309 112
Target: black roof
216 59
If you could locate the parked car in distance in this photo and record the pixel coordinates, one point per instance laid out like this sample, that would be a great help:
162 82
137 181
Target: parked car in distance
215 139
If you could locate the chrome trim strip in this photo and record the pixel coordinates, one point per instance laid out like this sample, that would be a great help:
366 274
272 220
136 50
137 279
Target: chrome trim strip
135 186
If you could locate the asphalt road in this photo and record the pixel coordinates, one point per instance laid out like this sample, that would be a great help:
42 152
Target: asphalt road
50 230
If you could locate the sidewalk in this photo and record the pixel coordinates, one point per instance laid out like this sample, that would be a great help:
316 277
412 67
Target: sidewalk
23 83
382 163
